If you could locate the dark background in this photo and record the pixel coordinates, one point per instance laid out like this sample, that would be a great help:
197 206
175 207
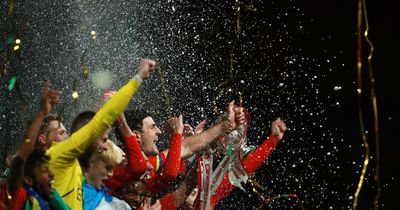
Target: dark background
293 59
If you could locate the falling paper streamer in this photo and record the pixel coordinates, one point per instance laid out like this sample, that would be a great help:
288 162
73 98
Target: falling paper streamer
375 110
11 8
84 67
164 89
267 199
361 8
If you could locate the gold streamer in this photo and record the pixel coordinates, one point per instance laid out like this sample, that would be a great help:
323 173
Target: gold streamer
375 109
11 8
164 89
359 94
249 7
267 199
225 88
85 69
238 17
226 85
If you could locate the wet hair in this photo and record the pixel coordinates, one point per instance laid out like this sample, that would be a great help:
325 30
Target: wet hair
81 120
44 127
134 118
34 160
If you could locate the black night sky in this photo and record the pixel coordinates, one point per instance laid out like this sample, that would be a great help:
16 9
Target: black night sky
292 59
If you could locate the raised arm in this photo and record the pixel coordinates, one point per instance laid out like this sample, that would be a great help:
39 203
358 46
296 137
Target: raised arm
137 161
48 98
73 147
254 160
195 143
257 158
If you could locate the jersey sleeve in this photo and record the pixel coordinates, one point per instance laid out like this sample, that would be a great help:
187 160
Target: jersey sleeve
250 164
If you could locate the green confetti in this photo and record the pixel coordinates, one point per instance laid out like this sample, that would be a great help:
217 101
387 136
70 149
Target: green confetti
12 83
10 39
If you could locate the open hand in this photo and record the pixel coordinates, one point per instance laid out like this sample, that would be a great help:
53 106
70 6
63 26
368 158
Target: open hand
49 98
